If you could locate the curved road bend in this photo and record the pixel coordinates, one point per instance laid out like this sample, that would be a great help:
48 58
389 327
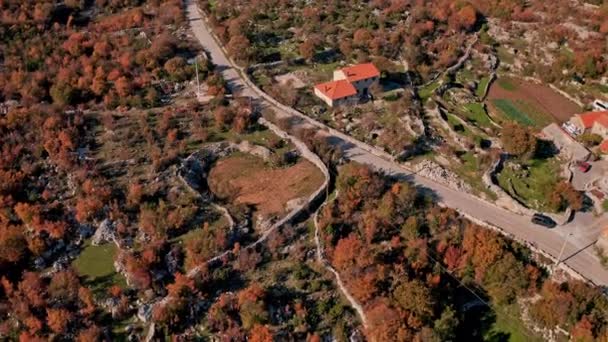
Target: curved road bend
578 252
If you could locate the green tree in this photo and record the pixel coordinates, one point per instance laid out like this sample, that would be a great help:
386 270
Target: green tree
62 94
445 326
415 297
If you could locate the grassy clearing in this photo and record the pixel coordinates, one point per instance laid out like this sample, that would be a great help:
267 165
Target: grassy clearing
96 265
509 327
428 90
476 113
531 185
481 86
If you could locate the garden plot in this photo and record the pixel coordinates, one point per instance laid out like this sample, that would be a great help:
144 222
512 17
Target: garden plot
529 103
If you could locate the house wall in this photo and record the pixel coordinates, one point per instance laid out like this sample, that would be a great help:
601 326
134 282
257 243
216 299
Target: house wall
346 101
325 99
339 75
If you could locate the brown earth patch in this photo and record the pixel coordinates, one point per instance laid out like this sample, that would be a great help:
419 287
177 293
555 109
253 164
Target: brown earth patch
249 180
539 96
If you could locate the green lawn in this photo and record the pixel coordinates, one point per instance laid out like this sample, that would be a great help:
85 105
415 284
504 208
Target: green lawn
522 112
476 113
96 265
532 186
481 86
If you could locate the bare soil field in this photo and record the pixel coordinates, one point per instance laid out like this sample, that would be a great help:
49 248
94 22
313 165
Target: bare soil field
252 181
538 102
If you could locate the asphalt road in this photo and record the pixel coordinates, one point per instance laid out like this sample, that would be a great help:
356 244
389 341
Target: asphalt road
584 229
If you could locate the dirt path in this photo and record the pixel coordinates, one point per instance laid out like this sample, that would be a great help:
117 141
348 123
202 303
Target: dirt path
321 259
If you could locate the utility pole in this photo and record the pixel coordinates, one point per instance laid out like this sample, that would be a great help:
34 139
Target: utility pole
559 258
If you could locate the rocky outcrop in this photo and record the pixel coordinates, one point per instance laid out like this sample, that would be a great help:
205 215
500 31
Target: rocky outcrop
438 173
105 233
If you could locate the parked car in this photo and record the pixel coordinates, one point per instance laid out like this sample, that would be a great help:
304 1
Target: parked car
583 166
543 220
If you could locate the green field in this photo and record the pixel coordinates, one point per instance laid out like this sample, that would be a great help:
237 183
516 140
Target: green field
96 265
522 112
531 186
476 113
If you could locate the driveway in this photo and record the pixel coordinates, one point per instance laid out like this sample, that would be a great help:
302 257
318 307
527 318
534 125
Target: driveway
583 180
578 251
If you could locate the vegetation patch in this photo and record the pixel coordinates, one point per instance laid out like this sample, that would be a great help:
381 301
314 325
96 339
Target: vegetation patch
481 86
532 182
507 84
96 264
511 110
476 113
539 102
248 180
428 90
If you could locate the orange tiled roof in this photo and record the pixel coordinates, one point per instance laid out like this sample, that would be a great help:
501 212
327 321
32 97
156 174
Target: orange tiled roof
589 118
361 72
604 146
337 89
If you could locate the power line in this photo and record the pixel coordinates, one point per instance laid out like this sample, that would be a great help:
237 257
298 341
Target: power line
486 303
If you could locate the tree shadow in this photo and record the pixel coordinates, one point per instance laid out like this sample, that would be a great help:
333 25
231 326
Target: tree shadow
545 149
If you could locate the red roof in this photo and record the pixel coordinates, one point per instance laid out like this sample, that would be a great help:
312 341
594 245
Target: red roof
589 118
337 89
361 72
604 146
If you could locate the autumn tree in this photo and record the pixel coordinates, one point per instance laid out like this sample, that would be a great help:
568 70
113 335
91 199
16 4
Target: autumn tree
563 195
307 49
240 48
518 140
260 333
58 320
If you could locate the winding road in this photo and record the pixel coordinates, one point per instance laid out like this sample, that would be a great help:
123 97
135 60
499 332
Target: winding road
577 237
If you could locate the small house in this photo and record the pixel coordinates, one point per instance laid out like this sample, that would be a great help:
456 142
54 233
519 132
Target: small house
349 86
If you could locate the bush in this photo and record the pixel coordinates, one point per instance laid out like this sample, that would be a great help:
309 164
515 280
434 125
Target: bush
590 139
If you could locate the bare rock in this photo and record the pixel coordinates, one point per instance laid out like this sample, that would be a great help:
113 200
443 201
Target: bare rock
104 233
430 169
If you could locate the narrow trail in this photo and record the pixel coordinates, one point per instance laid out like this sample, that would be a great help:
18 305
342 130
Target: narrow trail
321 259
